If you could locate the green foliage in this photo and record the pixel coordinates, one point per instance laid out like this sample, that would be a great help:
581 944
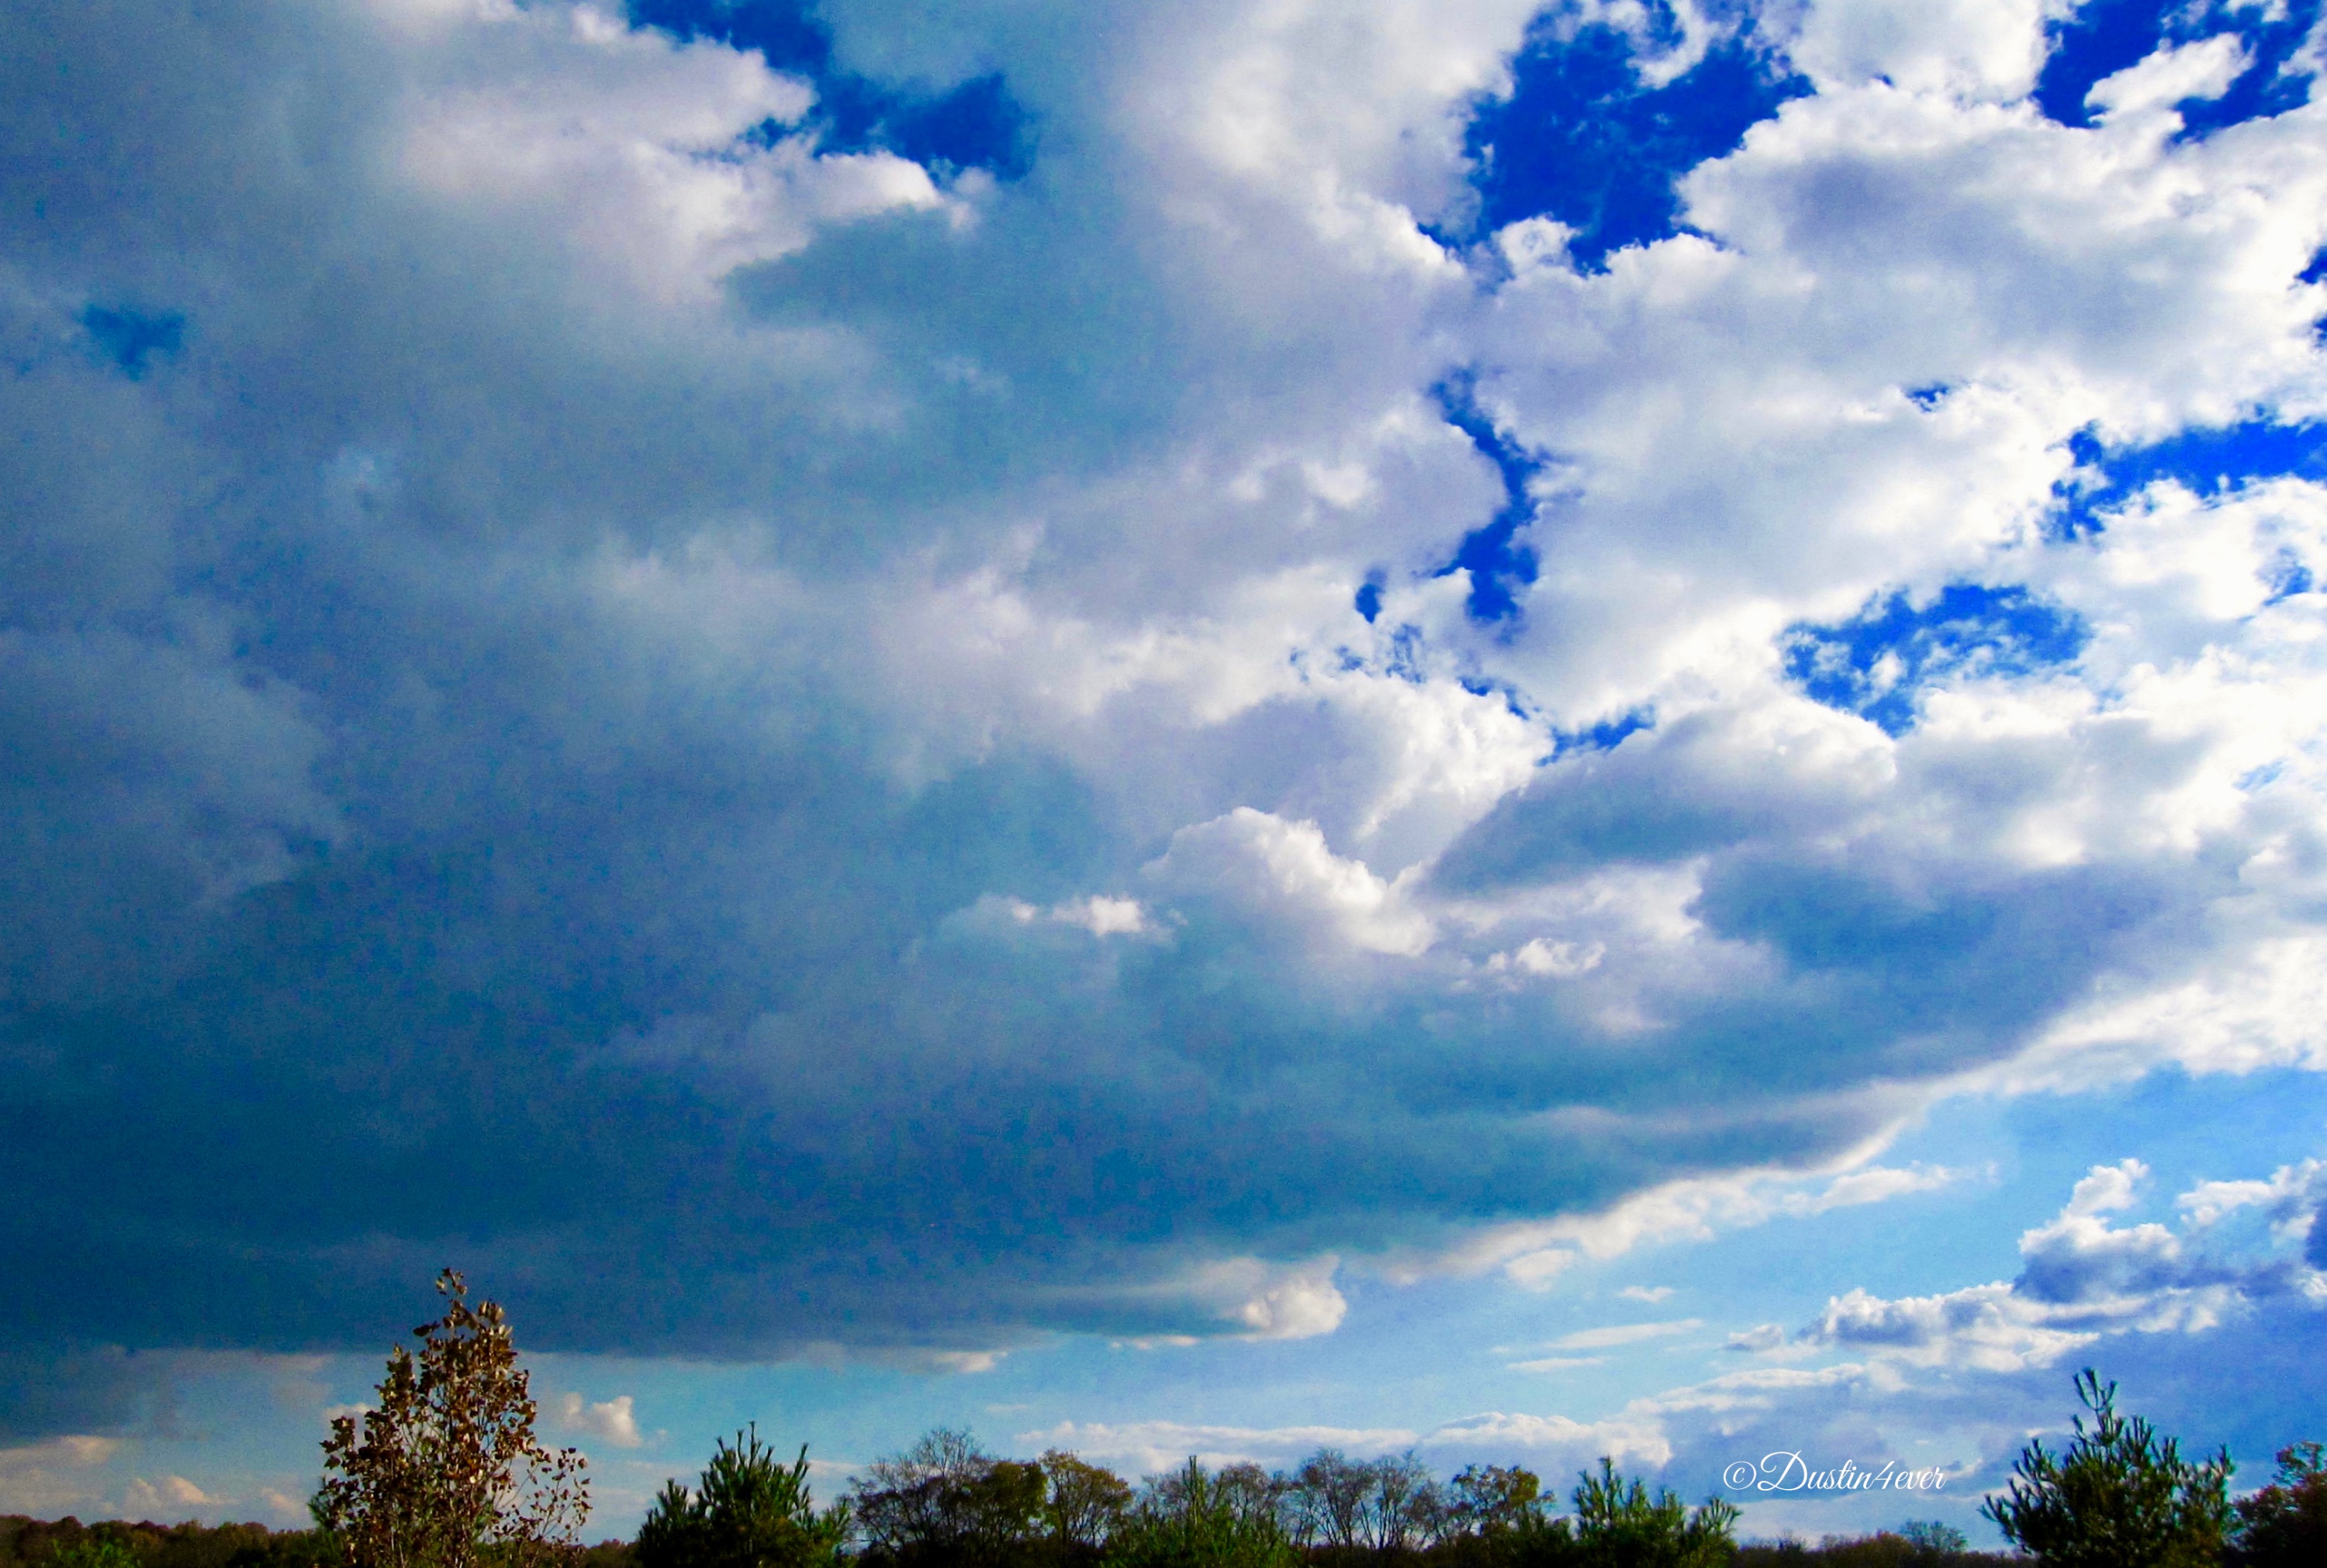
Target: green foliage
1495 1516
1193 1518
2286 1522
94 1551
1083 1505
47 1543
1491 1500
1618 1524
748 1510
2119 1497
1932 1541
946 1500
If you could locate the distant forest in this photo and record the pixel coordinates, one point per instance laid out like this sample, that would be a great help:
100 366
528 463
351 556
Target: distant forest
27 1542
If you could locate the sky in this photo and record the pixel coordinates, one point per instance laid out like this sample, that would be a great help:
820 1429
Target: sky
1202 728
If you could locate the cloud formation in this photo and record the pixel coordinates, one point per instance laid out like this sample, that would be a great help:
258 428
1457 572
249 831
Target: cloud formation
769 740
2083 1278
611 1421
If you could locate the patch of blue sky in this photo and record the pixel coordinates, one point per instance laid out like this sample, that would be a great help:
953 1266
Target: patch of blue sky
1602 734
2286 576
1498 563
1878 663
2103 37
974 124
1587 138
130 339
2205 462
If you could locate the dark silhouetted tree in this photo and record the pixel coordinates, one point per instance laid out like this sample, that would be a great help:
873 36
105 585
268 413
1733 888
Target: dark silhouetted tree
2286 1522
947 1500
1326 1500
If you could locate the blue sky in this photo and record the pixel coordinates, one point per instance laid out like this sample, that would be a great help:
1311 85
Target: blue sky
1165 729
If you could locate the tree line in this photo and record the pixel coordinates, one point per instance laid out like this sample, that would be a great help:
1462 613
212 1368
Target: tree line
445 1471
945 1501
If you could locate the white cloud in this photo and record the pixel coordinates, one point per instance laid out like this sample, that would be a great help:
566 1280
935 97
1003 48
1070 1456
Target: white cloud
55 1476
612 1421
2292 1197
1284 874
2082 1278
147 1499
1152 1447
637 151
1622 1334
1278 1303
1979 49
1552 1442
1693 1210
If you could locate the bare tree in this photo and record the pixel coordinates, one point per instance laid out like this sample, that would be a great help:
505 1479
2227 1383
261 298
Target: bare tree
1328 1494
1402 1512
446 1472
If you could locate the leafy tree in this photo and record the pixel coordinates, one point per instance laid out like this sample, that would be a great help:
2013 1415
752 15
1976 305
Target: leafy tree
94 1551
1084 1504
1491 1500
446 1472
2119 1496
749 1510
945 1499
1619 1525
1495 1514
2286 1522
1933 1540
1192 1518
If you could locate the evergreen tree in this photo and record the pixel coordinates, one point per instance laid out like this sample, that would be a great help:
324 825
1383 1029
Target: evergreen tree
2118 1497
748 1510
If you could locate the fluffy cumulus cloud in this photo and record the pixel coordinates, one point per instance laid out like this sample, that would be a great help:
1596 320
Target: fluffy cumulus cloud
2083 1278
611 1421
791 676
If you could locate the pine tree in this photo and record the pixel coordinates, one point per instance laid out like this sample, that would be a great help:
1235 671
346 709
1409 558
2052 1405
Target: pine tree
2118 1497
